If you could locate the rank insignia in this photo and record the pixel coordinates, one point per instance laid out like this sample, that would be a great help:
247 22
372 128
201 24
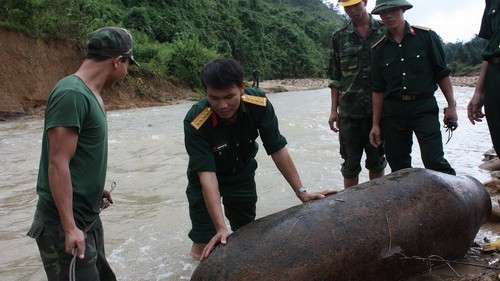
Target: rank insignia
260 101
202 117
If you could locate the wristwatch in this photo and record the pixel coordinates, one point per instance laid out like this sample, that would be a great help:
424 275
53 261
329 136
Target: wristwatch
302 189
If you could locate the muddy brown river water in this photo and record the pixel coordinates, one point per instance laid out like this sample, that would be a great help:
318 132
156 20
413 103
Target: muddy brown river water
146 229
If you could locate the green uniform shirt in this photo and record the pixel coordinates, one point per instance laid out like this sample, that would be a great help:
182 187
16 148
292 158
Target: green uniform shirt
350 69
412 67
227 148
490 26
72 104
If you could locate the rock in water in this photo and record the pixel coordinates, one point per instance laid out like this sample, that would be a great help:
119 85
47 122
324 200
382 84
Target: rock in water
360 233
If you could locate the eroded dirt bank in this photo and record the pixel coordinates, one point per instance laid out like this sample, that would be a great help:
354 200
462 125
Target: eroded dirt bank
30 66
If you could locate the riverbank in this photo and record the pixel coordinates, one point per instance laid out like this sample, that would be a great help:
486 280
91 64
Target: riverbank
40 63
288 85
121 98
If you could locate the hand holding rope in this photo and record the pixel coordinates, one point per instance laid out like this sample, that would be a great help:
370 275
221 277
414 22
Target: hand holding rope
104 204
450 125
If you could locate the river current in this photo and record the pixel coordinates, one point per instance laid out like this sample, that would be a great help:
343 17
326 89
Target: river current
146 229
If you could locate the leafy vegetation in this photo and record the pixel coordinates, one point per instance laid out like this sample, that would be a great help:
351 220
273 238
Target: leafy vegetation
286 38
464 58
174 38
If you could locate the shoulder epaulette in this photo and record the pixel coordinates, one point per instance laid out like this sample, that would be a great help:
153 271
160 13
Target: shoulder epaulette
201 118
379 41
340 29
260 101
422 27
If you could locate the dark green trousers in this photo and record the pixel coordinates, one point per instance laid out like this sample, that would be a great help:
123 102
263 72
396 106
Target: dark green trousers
239 197
492 103
402 119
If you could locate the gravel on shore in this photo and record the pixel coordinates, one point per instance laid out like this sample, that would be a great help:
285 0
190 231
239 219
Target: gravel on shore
288 85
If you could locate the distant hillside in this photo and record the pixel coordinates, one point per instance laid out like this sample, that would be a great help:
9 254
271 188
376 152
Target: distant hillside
42 41
174 38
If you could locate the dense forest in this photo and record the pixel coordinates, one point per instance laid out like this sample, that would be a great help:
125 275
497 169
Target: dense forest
174 38
464 58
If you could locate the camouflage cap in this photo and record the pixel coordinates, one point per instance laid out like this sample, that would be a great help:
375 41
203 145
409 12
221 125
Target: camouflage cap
345 3
382 5
111 42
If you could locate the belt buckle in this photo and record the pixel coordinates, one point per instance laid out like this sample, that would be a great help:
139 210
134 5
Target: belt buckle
407 97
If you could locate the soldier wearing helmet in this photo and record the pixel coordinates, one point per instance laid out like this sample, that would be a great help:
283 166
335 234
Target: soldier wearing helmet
351 110
407 67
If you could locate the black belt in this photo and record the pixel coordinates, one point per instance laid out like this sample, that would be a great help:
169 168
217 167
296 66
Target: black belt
408 97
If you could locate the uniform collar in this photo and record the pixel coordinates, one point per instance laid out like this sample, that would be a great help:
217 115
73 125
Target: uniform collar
216 120
409 30
351 28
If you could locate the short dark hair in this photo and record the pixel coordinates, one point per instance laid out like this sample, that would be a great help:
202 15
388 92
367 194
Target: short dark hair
222 73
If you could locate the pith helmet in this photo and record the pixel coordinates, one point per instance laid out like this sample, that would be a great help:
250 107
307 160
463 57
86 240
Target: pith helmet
345 3
382 5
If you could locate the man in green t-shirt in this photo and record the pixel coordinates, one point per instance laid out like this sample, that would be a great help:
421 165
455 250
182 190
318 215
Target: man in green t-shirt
407 66
351 95
73 162
219 135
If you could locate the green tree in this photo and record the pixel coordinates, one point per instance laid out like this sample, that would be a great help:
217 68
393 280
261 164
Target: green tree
18 13
176 37
187 58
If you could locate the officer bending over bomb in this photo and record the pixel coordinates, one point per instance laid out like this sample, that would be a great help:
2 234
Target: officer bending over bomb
219 134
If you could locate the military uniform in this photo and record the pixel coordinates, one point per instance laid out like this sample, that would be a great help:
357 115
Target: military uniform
256 78
490 30
350 72
407 74
228 149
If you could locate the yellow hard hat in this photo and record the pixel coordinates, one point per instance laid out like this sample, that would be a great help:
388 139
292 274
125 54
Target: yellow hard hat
345 3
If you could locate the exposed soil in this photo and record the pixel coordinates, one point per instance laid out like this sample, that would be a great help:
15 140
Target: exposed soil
30 66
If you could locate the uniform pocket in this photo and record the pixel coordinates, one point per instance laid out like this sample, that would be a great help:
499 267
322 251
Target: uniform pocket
349 60
35 230
389 69
224 157
418 62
